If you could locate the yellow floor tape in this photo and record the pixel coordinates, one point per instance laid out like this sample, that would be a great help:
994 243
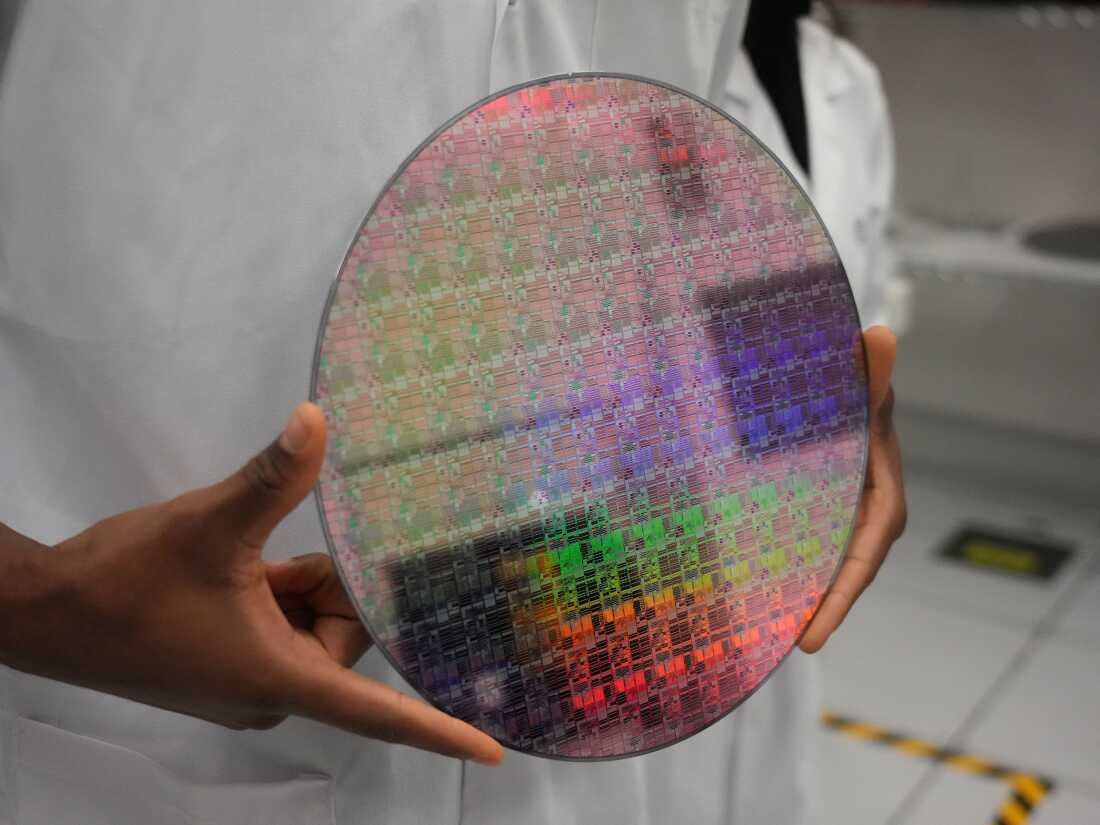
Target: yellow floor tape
1027 789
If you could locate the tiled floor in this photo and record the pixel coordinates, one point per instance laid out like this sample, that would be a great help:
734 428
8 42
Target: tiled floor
1048 715
864 783
953 797
1003 668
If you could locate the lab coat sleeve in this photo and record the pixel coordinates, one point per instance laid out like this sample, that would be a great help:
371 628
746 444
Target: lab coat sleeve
887 293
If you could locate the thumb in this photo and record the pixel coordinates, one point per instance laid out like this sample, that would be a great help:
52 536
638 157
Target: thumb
881 346
265 490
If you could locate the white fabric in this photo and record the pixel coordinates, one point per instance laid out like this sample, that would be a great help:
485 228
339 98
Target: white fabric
757 765
178 182
689 43
54 779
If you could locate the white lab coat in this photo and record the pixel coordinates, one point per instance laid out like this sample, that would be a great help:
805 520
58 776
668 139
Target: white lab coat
178 182
851 149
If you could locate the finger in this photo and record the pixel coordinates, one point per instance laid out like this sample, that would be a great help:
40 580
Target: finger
223 722
310 580
346 640
881 521
263 492
881 346
309 574
857 571
311 596
342 698
883 496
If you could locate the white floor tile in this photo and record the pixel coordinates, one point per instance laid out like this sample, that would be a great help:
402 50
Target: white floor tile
1048 717
1067 807
863 783
1082 619
930 637
939 507
904 665
958 797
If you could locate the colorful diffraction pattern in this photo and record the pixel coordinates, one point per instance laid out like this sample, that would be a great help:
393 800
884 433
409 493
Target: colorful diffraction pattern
594 381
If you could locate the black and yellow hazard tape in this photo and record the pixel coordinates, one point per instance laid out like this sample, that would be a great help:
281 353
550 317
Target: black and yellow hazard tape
1027 789
1027 792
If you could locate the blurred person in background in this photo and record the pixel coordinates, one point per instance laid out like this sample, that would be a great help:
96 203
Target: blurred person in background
177 183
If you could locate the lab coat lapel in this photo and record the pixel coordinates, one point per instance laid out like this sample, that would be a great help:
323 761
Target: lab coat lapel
826 84
739 99
746 102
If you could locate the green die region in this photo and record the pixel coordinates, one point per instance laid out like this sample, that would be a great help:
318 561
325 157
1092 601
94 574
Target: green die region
728 507
428 279
765 531
839 537
651 532
691 519
689 551
765 496
611 546
737 572
569 558
775 562
610 588
565 595
354 456
800 486
442 356
340 379
392 366
810 549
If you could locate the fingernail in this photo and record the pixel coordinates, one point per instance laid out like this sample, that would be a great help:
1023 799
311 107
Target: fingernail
492 758
296 433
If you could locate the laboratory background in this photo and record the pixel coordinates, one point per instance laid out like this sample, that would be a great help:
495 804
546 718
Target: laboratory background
984 653
964 687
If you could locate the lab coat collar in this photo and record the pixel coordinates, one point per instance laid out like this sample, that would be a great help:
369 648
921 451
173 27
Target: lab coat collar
831 71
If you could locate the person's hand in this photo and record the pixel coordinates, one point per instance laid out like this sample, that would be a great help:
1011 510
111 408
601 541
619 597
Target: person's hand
882 515
172 605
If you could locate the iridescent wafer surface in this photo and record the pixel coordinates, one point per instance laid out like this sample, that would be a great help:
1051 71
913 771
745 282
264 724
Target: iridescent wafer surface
594 383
